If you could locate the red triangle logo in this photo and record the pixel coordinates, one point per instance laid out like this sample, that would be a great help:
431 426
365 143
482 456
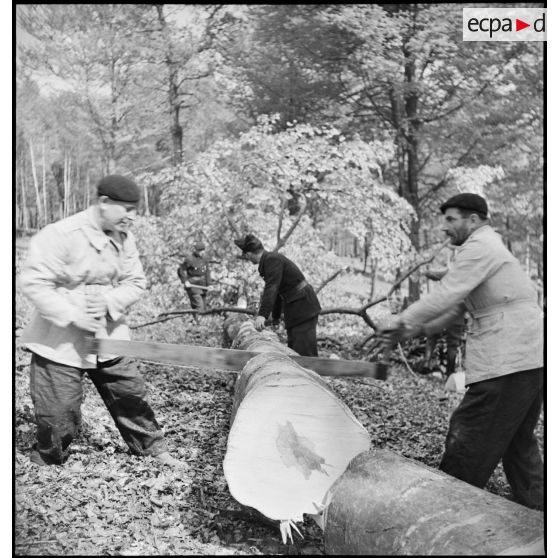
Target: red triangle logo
519 25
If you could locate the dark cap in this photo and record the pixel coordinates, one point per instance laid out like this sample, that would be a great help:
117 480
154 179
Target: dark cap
250 243
199 246
118 188
471 202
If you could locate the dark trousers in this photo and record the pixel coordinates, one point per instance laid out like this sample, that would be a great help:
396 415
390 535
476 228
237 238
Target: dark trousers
302 338
57 393
496 420
197 298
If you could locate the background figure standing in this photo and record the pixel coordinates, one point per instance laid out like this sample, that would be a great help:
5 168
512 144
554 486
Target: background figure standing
194 270
82 273
285 289
504 353
453 334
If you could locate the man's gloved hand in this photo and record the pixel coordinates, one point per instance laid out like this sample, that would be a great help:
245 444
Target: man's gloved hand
259 323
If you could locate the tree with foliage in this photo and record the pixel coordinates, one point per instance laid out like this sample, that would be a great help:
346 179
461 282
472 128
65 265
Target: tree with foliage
283 186
284 61
445 103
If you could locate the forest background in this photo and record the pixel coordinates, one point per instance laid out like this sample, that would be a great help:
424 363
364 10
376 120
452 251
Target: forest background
328 130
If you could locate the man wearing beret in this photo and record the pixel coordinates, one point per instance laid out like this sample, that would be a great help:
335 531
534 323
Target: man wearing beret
82 273
195 271
504 353
286 289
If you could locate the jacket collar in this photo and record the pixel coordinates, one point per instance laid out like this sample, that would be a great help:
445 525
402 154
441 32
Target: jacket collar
96 236
480 231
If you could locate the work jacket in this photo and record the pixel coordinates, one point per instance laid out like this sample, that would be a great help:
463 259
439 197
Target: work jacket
66 261
286 288
195 270
506 327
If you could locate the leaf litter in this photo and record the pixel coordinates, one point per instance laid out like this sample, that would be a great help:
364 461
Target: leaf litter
106 501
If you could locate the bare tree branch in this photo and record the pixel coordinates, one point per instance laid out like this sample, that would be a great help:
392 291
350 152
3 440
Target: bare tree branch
442 182
165 316
345 269
351 311
405 276
293 226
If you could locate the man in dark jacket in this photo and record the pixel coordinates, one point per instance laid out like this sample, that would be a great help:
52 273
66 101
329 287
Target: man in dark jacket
194 274
287 289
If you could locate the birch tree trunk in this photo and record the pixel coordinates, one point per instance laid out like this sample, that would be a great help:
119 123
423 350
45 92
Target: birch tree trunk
528 254
45 201
67 168
24 216
87 188
146 198
36 185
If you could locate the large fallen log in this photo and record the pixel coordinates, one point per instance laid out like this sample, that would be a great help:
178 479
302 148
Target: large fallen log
385 504
290 436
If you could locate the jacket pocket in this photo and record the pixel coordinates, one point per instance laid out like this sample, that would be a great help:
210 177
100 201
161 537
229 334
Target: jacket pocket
486 344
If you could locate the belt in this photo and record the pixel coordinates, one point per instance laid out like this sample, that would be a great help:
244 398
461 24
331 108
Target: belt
293 291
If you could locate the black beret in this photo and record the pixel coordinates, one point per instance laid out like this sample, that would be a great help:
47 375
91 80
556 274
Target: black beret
250 243
118 188
472 202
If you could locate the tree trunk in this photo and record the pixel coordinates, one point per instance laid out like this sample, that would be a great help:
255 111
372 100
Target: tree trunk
36 186
88 188
508 234
45 198
385 504
24 216
528 255
290 436
174 100
366 251
146 199
65 208
412 149
373 265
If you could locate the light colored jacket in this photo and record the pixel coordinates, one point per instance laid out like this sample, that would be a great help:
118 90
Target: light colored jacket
506 330
66 261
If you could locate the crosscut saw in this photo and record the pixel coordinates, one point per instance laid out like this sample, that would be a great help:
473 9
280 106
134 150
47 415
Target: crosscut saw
228 359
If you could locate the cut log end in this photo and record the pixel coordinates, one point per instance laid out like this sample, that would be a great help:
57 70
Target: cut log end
290 438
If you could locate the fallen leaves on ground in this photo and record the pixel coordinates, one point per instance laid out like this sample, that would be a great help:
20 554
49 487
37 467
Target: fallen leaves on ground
106 501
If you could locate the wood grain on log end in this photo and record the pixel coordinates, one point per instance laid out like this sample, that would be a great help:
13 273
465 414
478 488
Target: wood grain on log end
290 437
